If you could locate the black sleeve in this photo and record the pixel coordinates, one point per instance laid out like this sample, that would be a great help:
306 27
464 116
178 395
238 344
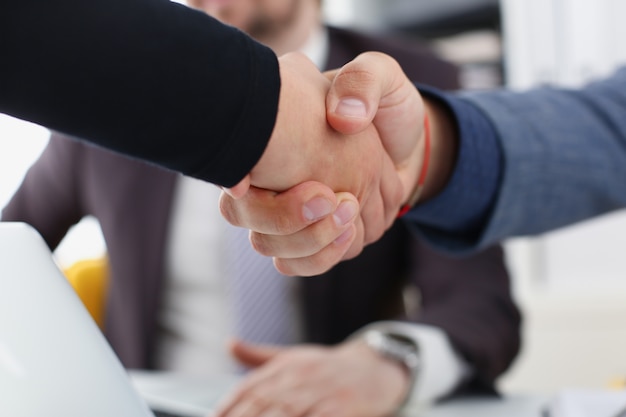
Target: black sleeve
149 78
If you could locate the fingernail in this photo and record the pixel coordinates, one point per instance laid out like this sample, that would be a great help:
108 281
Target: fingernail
351 107
345 213
317 208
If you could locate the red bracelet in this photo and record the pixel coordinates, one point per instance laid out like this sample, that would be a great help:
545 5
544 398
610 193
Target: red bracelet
422 178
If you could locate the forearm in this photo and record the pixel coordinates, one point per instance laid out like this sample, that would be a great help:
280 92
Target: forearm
444 149
529 163
565 153
461 187
441 369
148 78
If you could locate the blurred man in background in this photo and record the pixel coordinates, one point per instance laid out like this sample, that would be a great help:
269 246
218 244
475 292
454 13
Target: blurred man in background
183 282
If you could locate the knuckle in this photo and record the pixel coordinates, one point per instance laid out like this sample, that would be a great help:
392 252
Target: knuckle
289 408
353 252
261 244
347 395
317 240
319 263
303 267
257 398
355 77
284 225
310 368
228 209
286 267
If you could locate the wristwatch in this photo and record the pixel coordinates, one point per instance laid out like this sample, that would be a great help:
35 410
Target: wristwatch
398 348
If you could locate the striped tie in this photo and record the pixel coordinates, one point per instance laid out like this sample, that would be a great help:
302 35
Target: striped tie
261 296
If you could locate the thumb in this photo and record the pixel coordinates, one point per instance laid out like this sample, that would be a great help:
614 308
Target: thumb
252 355
373 88
353 98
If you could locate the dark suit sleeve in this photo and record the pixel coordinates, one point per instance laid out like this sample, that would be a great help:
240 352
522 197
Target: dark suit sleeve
48 198
149 78
470 299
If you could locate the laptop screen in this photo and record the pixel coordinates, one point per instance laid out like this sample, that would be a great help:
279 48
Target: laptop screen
53 358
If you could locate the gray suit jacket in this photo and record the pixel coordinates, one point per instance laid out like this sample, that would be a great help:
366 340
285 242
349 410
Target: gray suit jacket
564 154
468 298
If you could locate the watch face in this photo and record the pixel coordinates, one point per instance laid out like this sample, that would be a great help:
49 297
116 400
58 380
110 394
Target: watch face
395 347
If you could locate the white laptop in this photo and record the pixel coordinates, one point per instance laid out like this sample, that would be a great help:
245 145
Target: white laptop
53 358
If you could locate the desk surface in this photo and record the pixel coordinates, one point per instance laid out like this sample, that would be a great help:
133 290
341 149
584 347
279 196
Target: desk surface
510 406
197 396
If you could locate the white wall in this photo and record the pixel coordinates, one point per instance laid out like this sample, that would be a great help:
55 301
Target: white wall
562 42
20 144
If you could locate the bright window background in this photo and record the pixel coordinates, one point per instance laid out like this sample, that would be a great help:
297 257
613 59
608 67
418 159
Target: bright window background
571 284
21 143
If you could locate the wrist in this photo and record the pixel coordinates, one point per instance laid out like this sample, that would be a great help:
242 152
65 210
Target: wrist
398 351
417 189
444 148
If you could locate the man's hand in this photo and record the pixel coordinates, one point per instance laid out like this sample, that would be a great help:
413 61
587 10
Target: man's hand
349 380
375 83
307 229
394 105
370 91
305 148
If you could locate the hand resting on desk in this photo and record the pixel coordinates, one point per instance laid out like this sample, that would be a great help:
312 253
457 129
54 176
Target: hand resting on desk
348 380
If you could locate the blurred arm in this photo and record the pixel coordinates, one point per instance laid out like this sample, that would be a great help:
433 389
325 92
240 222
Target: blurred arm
49 197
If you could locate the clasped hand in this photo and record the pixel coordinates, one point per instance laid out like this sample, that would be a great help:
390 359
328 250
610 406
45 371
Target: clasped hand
343 157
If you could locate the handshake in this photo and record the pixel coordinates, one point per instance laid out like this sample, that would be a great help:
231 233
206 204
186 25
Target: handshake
348 150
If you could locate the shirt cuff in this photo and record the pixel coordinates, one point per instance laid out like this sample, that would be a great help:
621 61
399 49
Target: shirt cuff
462 208
441 368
